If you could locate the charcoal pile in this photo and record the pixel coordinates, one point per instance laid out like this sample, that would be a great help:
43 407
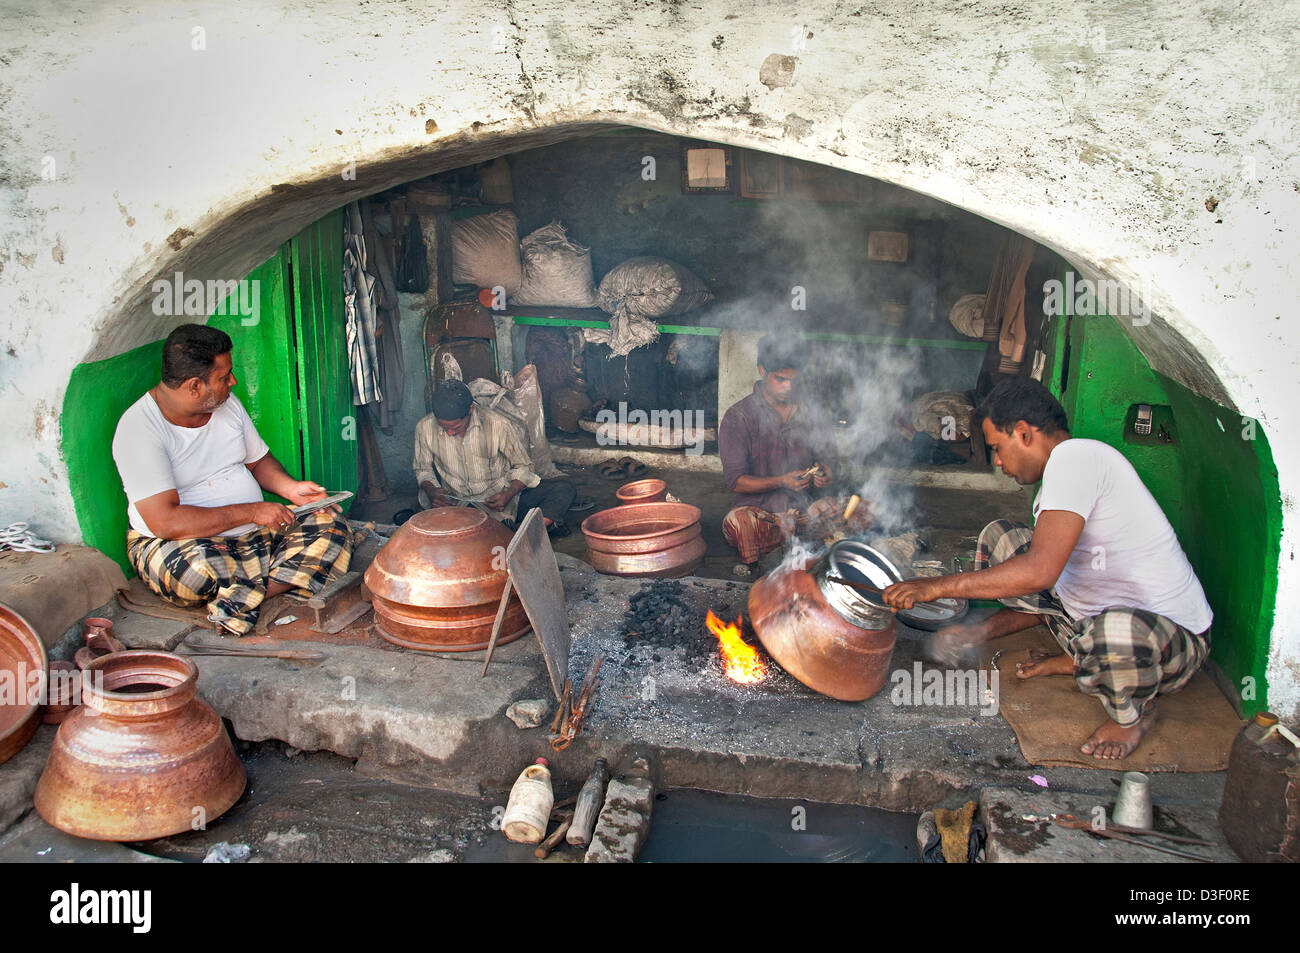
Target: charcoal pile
665 614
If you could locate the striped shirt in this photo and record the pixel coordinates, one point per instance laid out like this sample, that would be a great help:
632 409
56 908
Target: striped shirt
477 465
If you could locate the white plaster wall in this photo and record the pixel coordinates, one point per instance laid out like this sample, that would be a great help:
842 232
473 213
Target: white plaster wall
1100 129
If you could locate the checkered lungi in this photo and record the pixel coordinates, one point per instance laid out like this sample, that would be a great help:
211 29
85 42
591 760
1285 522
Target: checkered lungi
231 573
754 531
1126 657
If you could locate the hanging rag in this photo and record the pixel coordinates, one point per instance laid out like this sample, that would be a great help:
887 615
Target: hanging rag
392 368
360 311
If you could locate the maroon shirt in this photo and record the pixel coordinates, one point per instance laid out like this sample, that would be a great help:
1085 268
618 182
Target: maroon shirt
752 441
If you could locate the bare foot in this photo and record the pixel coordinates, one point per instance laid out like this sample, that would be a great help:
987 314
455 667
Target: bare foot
1045 663
1112 742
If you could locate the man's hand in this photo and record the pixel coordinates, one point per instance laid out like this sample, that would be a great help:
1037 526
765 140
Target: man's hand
822 476
797 480
956 645
304 491
499 501
274 516
904 595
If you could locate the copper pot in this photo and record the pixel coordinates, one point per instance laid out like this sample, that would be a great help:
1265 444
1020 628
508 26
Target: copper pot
645 539
642 491
814 642
437 583
23 664
143 757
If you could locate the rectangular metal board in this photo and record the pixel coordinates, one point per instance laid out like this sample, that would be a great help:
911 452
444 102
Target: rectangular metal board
536 577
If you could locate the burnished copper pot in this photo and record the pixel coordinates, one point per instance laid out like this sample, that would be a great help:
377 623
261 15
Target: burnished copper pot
815 643
645 539
143 757
23 666
437 583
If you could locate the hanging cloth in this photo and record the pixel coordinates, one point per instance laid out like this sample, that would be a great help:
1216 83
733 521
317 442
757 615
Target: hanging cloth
360 311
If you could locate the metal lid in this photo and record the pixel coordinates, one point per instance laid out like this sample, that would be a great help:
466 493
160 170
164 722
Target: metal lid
856 561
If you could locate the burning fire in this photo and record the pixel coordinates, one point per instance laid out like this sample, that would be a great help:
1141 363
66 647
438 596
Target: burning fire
741 660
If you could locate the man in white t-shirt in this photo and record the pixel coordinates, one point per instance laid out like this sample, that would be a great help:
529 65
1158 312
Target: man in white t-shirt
1101 567
194 467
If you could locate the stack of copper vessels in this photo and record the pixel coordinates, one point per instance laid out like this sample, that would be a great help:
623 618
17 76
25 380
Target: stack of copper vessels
645 539
437 584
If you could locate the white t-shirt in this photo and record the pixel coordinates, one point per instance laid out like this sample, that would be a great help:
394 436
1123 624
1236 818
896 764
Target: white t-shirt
204 465
1128 555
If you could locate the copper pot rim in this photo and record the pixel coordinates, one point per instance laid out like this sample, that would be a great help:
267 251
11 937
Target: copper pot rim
135 666
641 491
443 521
682 514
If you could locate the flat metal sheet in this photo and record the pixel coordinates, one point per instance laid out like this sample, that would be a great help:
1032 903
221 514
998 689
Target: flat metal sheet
536 577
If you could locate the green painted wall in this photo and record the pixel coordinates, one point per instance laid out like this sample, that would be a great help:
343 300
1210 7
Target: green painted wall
1217 484
293 293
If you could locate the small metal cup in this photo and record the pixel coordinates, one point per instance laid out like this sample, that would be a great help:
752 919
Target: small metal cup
1133 803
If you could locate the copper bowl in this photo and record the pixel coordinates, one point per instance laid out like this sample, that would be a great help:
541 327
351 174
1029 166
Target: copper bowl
23 665
144 757
437 584
643 491
645 539
815 643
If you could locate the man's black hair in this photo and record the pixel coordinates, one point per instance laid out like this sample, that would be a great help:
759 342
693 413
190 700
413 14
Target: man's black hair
190 351
1023 398
777 353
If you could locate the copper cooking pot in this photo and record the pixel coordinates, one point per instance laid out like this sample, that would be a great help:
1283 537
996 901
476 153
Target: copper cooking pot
143 757
645 539
815 641
437 584
652 490
23 665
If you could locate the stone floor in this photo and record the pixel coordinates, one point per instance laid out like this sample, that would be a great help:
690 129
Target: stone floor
404 718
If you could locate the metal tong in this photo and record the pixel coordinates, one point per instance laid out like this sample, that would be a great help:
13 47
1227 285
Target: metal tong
579 706
880 595
1070 822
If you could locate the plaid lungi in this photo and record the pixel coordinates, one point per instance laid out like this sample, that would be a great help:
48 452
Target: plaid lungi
1126 657
754 532
230 573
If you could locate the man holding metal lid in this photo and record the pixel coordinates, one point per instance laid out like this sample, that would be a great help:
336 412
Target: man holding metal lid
1101 568
194 467
470 455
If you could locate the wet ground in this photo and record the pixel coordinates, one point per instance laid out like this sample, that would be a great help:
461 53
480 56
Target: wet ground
311 807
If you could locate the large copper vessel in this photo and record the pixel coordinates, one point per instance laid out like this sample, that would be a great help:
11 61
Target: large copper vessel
645 539
838 651
437 583
23 664
143 757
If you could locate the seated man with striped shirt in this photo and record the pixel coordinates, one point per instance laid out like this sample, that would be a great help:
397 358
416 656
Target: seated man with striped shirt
470 455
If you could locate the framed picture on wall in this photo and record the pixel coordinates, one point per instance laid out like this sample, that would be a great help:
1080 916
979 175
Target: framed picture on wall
707 167
761 175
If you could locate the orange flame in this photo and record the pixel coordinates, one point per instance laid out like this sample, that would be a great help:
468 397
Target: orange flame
741 660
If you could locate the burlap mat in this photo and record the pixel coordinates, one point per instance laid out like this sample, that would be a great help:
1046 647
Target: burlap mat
1052 718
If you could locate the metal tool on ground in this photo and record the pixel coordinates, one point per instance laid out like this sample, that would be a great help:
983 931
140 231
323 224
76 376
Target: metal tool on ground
564 704
1070 822
543 850
581 705
264 650
590 799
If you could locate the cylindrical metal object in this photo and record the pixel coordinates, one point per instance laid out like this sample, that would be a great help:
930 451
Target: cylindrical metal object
143 757
437 583
1133 803
23 664
645 539
843 652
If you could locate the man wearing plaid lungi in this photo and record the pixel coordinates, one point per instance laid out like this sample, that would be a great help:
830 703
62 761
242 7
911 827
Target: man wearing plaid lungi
194 467
1101 568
